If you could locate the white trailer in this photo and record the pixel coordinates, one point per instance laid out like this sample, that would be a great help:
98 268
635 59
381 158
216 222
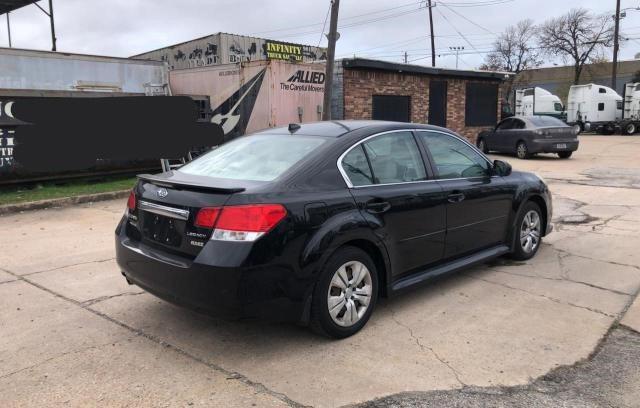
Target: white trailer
537 101
594 107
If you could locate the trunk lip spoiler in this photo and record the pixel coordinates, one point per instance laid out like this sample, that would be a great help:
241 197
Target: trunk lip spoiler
163 182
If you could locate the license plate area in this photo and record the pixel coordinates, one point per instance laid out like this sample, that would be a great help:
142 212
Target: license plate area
561 146
163 230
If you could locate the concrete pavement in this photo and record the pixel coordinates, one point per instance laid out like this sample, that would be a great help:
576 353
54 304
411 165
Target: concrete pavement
72 331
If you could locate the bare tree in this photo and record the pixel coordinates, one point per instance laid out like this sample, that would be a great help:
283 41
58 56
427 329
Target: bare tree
514 51
579 36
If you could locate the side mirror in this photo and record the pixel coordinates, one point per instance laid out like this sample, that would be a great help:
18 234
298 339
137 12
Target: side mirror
501 168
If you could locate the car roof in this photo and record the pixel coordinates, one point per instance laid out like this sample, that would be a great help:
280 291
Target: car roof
337 128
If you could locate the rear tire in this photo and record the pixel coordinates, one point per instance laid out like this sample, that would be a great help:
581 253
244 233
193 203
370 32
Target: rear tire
577 128
565 155
528 232
345 294
522 151
630 128
482 146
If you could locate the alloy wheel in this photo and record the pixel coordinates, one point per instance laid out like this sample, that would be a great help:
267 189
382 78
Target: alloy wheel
349 293
530 232
522 150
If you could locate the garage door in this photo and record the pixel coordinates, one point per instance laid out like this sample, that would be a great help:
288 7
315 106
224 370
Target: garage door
391 107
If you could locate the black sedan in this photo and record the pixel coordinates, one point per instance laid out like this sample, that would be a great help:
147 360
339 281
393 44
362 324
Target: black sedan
313 223
528 135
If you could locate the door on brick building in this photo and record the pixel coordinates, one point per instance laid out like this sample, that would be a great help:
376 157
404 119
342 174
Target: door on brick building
438 103
391 107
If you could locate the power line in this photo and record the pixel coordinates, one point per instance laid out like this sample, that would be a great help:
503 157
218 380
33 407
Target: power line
342 19
469 20
454 27
324 25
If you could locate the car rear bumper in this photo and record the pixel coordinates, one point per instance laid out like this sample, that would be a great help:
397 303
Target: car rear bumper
201 285
552 146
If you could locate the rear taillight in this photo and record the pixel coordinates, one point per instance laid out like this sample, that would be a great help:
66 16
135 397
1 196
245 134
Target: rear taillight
207 217
246 222
131 202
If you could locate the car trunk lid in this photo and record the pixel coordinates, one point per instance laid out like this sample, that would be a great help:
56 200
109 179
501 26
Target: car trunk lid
167 206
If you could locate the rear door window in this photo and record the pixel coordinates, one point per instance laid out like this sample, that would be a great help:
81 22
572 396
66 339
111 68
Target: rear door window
454 158
256 157
357 168
395 158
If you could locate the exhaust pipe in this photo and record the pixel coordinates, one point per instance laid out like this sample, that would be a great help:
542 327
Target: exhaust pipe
125 277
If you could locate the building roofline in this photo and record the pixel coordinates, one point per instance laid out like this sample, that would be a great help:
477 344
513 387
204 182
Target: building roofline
62 54
363 63
213 35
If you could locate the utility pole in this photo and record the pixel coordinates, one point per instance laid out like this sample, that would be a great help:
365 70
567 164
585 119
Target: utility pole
614 69
9 29
405 57
457 50
433 41
331 55
53 29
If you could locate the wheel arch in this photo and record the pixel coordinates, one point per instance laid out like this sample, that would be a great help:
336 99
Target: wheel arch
380 261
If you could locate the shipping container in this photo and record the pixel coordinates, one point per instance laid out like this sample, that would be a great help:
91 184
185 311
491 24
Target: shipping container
256 95
45 73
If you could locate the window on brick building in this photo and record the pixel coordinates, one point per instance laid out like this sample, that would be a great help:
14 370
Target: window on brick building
481 106
391 107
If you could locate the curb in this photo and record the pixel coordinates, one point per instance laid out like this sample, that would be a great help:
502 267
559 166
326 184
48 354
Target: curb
62 202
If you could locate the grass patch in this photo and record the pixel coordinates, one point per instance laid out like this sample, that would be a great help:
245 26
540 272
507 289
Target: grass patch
46 191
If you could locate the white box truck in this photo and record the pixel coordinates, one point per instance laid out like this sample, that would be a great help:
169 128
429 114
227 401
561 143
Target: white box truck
594 107
537 101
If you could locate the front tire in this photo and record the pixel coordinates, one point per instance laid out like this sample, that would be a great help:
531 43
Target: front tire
345 295
522 151
565 155
528 232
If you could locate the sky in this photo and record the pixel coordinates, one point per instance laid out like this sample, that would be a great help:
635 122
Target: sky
378 29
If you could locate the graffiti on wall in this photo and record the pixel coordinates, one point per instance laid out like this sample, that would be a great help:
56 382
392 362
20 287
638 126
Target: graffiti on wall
7 134
232 49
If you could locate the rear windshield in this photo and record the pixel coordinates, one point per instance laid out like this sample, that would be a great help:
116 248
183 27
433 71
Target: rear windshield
543 121
257 157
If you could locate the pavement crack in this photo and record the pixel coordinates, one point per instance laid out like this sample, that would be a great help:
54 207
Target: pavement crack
57 356
423 347
598 260
556 300
69 266
232 375
91 302
566 279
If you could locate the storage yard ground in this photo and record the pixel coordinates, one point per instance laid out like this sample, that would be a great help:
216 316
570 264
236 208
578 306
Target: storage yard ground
74 333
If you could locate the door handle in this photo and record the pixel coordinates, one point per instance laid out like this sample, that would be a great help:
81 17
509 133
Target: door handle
377 207
455 197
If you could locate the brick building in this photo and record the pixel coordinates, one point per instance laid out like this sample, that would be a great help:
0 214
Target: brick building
463 101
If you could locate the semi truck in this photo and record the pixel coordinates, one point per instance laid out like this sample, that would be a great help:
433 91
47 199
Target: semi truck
595 107
537 101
